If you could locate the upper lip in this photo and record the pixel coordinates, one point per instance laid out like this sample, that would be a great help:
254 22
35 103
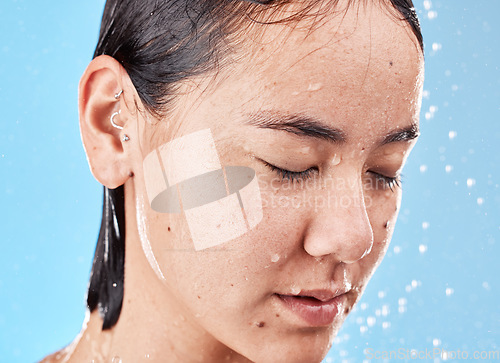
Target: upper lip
321 294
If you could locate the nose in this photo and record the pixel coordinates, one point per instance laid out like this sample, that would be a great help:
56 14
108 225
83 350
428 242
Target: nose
340 225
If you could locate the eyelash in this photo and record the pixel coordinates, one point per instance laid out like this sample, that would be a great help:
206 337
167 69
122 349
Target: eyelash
294 176
297 176
388 182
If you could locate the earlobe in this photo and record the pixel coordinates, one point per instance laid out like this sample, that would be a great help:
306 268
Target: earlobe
103 120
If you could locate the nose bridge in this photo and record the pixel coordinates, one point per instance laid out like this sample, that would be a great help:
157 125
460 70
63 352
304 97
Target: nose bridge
340 226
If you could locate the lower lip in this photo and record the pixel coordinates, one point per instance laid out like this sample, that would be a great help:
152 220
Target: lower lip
314 312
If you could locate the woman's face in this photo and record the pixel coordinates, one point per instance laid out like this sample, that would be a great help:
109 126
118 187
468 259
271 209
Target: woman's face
336 106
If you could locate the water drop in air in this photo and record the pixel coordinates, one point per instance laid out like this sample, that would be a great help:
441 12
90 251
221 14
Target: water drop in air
471 182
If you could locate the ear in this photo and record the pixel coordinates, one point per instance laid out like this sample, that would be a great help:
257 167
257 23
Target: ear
103 143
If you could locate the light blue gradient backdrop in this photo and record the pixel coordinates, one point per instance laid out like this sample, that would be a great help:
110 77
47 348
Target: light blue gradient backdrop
50 205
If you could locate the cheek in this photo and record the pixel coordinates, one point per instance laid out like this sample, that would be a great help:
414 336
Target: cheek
382 210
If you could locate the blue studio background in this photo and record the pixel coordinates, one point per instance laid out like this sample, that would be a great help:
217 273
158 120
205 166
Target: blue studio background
438 286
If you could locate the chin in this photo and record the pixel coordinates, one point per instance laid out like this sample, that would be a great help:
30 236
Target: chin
304 346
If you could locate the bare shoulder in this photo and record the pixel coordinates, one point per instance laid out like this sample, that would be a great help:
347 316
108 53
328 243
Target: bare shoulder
57 357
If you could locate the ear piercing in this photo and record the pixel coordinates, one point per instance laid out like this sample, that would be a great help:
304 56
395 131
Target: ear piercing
125 137
111 119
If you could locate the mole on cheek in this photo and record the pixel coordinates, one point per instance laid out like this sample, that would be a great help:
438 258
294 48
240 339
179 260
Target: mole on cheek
346 310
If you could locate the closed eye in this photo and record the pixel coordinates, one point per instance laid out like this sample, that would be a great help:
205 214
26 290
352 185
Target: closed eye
293 176
387 182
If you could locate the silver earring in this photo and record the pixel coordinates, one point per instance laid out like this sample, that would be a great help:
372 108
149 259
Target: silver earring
117 96
112 120
125 138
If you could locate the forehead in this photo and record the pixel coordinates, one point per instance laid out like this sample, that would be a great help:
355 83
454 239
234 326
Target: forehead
358 68
358 59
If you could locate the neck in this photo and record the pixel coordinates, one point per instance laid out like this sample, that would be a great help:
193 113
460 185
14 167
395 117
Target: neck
152 325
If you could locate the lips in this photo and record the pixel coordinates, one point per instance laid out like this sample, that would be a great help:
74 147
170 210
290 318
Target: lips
315 308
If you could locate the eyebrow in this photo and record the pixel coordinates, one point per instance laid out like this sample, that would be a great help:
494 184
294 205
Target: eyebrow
307 126
297 124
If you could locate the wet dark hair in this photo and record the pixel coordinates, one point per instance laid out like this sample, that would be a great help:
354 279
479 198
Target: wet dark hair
161 43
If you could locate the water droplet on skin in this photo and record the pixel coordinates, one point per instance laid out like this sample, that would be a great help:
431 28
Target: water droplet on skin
295 290
336 160
116 359
275 258
314 87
